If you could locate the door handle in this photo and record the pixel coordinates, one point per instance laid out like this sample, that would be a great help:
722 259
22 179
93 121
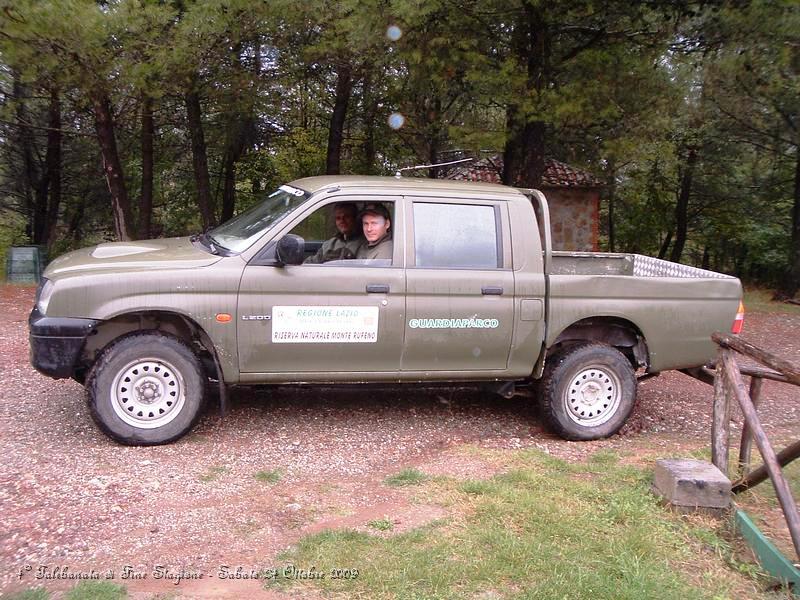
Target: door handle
377 288
492 290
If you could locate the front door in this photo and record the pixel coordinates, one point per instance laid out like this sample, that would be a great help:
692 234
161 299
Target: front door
345 315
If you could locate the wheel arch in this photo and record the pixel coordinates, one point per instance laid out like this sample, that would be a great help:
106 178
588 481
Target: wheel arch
622 334
174 323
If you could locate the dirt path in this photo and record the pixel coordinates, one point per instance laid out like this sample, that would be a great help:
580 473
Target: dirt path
73 499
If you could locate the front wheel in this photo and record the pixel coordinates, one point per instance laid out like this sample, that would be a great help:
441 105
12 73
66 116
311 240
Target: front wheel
146 389
588 391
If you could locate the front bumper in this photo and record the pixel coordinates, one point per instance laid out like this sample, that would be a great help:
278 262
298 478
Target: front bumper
56 343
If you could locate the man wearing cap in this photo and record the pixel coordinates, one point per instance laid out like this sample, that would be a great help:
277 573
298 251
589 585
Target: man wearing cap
377 227
348 238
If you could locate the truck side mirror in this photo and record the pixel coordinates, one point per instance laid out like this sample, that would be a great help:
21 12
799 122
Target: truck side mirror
291 249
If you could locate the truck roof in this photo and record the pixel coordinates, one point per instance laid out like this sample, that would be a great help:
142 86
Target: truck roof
314 184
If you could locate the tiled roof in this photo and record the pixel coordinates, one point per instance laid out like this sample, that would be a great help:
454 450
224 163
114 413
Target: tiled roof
556 173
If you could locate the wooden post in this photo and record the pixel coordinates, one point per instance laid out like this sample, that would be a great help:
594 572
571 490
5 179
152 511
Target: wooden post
720 425
746 443
733 379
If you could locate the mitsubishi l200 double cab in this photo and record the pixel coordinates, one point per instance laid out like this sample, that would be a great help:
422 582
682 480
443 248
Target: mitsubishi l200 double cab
469 290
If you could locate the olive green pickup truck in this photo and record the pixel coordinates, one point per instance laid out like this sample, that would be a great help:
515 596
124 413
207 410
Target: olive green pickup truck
371 279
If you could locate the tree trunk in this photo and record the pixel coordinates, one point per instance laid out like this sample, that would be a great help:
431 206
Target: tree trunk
53 167
792 281
370 111
524 152
433 156
662 253
523 155
611 183
146 201
76 220
436 138
344 88
229 185
200 159
682 207
41 187
26 182
112 166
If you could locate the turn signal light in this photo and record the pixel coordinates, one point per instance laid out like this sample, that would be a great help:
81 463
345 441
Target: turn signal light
224 318
738 322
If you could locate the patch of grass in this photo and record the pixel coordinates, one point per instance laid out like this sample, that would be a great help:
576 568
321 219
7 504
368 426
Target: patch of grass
604 457
31 594
477 487
270 477
213 473
545 529
381 524
760 300
409 476
97 590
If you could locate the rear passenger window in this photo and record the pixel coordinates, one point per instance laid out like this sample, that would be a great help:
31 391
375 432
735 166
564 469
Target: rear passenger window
456 236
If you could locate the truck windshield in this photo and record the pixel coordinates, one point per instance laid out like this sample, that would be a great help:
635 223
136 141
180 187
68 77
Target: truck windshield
244 229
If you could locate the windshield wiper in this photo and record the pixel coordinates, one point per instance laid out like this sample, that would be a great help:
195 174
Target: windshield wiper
206 241
211 244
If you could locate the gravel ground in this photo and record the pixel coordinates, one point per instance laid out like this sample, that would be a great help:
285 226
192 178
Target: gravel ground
73 499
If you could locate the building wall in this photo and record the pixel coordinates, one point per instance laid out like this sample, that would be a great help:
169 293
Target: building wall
574 217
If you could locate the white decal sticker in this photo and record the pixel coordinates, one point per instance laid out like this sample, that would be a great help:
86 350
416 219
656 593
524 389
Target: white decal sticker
468 323
324 324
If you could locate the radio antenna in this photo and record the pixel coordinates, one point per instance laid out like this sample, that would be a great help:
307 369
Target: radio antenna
444 164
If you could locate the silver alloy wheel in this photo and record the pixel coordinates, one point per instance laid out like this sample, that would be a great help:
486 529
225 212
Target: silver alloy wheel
592 397
148 393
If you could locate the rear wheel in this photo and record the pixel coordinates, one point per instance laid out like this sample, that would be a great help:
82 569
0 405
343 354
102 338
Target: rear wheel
146 389
588 391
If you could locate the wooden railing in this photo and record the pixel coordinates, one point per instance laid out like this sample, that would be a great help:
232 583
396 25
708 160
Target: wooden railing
728 384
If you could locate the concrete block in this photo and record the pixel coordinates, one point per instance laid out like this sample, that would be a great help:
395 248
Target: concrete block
692 484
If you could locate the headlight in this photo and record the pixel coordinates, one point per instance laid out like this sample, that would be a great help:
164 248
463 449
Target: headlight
43 297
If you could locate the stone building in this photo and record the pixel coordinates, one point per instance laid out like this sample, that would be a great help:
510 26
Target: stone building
573 196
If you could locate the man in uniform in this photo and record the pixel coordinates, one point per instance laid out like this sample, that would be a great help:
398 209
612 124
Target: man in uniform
377 226
348 239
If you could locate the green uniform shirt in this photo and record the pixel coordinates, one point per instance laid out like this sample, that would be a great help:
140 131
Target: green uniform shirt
338 247
380 249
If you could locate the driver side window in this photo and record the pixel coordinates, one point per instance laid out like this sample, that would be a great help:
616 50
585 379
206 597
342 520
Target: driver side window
348 233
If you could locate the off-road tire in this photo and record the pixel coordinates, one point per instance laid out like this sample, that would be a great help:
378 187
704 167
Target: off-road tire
146 388
588 391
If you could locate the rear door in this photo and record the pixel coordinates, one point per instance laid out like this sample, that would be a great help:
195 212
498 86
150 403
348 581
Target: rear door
460 286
